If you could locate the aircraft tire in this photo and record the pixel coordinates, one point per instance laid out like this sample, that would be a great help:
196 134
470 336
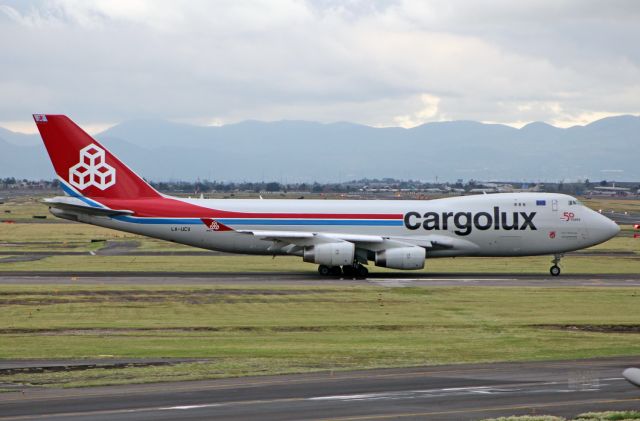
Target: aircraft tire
555 270
324 270
361 272
336 271
348 271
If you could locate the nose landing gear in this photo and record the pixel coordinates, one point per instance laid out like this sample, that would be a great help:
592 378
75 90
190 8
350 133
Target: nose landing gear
555 269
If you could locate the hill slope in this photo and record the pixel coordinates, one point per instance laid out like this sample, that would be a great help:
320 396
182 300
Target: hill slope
292 151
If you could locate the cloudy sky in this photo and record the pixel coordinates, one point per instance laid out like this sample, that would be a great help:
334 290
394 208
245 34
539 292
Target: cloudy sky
380 63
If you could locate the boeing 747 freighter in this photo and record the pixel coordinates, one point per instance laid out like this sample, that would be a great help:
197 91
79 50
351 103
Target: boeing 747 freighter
340 236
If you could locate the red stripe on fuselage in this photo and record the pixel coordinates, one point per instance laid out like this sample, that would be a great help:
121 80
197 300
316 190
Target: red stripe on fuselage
172 208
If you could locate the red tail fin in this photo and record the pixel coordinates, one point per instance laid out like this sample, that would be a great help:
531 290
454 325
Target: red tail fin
84 165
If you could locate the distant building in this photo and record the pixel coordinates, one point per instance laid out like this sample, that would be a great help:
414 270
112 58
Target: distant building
611 191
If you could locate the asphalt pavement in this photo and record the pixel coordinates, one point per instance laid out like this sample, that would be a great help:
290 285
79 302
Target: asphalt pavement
388 279
454 392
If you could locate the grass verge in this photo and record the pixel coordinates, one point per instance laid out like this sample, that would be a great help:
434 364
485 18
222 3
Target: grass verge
574 264
256 330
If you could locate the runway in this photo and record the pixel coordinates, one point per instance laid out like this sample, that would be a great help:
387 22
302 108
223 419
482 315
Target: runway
461 392
312 278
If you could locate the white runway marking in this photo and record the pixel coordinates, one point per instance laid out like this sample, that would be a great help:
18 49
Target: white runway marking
547 387
405 282
448 279
206 405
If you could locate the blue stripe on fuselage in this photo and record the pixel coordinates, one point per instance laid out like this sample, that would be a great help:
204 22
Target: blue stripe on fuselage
172 221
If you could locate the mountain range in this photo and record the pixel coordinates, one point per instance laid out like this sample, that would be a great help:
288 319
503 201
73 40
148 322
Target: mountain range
301 151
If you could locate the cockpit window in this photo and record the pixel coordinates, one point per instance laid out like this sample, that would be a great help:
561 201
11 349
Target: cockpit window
574 203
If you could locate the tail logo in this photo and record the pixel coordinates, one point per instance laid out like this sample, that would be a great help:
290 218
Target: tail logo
92 170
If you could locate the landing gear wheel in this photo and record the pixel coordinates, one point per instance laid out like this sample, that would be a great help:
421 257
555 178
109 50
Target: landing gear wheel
555 269
324 270
356 271
336 271
348 271
361 272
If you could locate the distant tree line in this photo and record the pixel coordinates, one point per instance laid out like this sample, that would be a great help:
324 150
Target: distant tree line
359 186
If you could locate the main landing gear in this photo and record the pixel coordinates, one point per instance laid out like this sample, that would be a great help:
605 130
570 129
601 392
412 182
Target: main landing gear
555 269
356 271
325 270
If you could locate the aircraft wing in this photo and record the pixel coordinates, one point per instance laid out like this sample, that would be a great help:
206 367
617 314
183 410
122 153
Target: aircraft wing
291 241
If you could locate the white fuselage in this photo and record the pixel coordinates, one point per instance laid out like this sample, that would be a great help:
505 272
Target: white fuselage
511 224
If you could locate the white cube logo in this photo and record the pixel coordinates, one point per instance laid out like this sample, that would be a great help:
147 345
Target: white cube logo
92 170
92 156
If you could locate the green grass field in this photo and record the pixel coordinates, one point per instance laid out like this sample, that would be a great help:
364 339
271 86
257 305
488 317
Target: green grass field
588 416
257 330
24 208
613 204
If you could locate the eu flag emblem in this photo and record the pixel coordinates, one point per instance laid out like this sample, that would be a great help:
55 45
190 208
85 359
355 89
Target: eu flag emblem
541 202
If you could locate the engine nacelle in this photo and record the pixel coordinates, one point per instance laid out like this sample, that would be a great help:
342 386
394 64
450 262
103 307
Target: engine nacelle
330 254
401 258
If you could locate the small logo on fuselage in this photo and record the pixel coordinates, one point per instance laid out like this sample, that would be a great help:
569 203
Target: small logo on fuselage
466 222
92 170
213 225
569 217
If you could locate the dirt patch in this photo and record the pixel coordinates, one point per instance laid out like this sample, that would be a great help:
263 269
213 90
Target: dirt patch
22 258
594 328
89 366
187 329
30 243
205 296
166 292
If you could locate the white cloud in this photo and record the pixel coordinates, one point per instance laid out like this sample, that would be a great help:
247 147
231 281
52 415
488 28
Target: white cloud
369 62
580 119
427 111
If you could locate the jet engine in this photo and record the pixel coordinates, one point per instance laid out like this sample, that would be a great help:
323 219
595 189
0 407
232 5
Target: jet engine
330 254
401 258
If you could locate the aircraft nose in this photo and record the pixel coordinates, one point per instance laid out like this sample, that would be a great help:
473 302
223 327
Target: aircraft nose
606 228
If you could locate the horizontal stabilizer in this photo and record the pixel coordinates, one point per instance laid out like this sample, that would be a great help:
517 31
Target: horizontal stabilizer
78 206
